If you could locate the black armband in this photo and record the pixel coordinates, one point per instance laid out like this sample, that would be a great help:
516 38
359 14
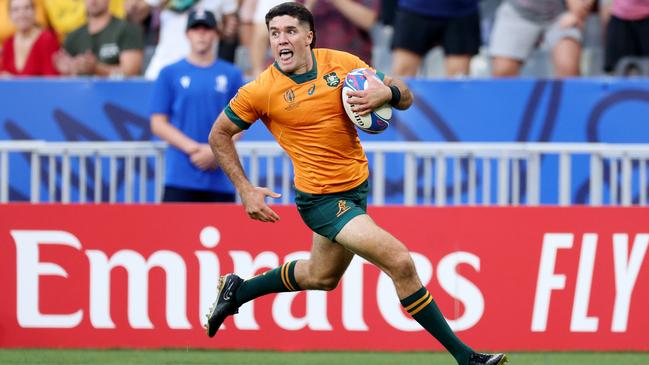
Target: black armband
396 95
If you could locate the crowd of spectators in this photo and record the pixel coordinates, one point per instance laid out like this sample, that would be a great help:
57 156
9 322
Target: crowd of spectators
121 38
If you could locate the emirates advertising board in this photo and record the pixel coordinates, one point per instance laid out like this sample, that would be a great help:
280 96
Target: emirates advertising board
143 276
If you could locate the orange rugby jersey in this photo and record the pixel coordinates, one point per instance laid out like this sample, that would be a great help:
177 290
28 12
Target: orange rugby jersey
306 116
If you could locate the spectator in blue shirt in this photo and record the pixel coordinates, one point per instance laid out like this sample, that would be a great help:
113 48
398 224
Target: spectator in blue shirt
188 96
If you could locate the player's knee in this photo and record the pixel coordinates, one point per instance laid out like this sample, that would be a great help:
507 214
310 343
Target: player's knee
402 267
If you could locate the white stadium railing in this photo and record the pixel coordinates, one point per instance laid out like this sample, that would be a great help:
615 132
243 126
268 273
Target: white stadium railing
90 161
434 173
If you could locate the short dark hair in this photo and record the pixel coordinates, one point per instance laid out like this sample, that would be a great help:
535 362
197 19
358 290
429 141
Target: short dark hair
295 10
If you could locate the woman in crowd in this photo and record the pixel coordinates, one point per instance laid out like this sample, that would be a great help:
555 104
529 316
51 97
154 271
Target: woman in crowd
29 51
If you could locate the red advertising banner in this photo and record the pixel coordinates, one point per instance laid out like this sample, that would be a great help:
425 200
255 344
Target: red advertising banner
143 276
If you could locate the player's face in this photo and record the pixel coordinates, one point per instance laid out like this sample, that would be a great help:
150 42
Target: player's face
201 39
290 42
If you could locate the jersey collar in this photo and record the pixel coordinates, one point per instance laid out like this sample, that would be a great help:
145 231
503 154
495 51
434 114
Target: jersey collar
302 78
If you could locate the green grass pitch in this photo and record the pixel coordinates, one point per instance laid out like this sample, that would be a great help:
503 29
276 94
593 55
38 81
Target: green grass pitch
190 357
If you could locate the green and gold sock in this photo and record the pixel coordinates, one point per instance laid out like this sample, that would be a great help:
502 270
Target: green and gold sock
423 309
278 280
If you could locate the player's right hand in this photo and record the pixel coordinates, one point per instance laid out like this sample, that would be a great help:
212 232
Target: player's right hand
254 200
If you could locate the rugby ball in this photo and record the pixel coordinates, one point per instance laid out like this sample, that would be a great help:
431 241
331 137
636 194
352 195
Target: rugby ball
376 121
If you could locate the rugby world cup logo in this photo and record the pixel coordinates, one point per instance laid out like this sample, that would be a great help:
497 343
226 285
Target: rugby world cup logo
289 96
355 80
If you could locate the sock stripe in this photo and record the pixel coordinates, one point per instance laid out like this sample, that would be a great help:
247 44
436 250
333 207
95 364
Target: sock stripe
291 276
285 279
283 276
422 306
413 305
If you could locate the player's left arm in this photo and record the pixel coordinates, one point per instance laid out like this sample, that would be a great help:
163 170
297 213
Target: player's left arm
391 90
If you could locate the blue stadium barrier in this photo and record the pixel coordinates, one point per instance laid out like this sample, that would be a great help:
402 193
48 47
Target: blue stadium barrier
577 110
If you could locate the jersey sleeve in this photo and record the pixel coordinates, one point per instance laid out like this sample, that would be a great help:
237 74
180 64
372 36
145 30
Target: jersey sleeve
356 62
243 109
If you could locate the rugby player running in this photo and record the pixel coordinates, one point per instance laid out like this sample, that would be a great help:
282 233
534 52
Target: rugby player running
298 99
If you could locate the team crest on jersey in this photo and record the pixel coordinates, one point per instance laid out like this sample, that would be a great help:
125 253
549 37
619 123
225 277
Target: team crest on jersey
332 79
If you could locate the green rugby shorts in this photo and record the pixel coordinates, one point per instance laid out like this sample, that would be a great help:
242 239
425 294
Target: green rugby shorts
327 214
